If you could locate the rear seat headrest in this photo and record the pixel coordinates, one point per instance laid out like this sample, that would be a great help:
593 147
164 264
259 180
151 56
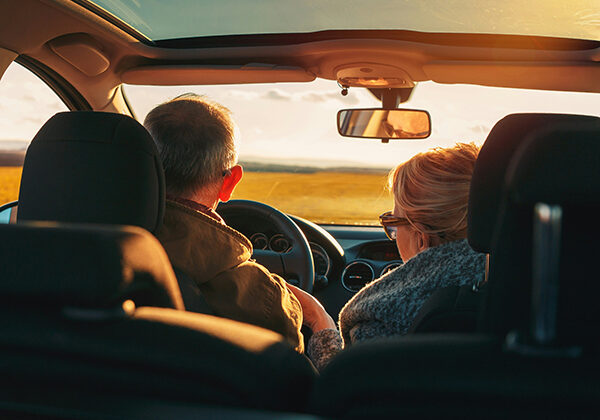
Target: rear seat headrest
85 266
490 169
93 167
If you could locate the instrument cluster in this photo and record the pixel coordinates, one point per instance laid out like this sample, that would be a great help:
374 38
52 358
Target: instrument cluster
279 243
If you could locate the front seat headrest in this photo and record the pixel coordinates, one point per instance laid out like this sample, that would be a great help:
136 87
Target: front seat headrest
93 167
557 166
490 169
85 266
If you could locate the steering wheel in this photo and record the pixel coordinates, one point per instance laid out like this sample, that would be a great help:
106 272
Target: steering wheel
297 262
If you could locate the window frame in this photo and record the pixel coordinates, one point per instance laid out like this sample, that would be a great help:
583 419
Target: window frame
66 92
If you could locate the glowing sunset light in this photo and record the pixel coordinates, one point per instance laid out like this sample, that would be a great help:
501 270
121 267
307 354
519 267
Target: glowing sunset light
296 122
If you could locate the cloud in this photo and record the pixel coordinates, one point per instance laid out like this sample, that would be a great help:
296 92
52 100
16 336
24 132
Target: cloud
282 95
315 97
328 96
277 95
479 129
35 120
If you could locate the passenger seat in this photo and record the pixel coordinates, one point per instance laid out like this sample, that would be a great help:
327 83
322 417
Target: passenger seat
506 371
457 309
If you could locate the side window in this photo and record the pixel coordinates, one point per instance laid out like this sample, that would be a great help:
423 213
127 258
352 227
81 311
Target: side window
26 103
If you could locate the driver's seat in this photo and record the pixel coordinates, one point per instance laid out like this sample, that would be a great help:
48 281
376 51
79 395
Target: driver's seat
93 167
98 167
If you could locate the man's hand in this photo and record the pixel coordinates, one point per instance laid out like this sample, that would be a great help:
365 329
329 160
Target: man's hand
315 316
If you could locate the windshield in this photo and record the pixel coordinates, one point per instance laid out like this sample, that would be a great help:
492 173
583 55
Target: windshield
295 160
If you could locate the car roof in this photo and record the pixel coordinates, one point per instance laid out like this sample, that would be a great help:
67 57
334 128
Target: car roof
96 54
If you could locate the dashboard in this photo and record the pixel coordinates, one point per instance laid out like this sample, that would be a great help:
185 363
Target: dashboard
368 254
279 243
346 258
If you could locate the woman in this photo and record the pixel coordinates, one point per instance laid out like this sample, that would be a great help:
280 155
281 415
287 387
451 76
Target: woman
429 225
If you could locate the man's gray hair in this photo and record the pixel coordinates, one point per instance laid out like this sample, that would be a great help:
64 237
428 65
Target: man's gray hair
195 139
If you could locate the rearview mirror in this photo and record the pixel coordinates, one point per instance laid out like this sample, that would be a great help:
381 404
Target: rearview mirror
377 123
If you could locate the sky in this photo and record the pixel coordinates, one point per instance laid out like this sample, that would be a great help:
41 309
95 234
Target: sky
159 19
296 122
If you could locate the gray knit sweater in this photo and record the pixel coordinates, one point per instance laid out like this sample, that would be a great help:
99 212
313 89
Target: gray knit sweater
387 306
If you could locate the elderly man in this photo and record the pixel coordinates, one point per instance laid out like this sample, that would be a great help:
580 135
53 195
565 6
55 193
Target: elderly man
195 138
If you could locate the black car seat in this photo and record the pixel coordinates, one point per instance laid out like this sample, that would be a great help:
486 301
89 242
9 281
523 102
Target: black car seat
93 167
498 375
98 167
448 309
76 344
558 167
456 308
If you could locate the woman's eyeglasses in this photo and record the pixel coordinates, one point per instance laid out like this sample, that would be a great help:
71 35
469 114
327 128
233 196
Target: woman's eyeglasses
391 222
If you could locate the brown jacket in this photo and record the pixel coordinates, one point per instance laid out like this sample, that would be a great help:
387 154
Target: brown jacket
217 257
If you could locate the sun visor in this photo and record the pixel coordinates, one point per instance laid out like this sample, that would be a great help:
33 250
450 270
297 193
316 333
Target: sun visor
527 75
215 74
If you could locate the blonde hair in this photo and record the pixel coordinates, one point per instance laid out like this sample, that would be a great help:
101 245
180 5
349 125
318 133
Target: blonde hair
432 189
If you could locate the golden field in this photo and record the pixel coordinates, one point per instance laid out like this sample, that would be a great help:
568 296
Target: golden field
322 197
10 179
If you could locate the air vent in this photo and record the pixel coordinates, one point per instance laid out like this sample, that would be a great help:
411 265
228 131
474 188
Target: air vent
389 268
356 275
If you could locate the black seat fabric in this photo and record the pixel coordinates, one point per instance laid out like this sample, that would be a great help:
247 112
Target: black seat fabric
93 167
487 184
97 167
85 266
560 165
453 376
59 286
450 309
490 169
155 353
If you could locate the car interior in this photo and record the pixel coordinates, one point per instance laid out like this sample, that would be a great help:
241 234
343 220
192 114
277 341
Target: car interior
100 324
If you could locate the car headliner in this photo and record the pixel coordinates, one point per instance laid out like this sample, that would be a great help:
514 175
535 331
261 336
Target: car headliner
94 55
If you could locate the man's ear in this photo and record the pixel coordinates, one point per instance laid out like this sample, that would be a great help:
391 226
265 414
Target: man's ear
230 180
